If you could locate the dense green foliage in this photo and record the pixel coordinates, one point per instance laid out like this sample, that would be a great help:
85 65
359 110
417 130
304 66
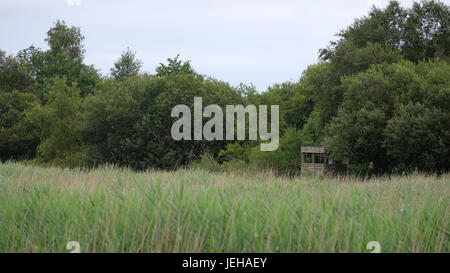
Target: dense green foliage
419 126
379 96
58 121
127 65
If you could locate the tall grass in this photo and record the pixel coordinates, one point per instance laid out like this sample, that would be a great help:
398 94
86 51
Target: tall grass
118 210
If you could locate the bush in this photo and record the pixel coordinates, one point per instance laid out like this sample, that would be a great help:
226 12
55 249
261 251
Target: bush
285 160
419 138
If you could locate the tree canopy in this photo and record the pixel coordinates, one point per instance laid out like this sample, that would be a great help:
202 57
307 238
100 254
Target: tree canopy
379 96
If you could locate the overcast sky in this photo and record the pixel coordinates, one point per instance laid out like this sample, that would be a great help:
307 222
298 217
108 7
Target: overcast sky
259 42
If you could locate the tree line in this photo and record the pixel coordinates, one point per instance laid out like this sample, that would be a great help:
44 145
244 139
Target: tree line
378 96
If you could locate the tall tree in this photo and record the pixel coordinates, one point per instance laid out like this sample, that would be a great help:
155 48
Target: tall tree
127 65
419 138
13 75
175 66
58 121
18 138
63 59
67 41
374 97
427 31
66 52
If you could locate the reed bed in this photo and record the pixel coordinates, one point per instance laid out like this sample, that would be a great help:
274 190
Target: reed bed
118 210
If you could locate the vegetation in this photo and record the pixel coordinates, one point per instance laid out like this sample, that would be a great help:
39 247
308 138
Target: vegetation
379 96
118 210
116 181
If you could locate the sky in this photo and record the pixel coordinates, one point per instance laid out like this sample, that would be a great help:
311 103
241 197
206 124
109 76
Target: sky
260 42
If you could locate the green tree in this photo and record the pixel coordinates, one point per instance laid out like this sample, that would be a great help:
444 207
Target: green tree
128 122
418 33
321 86
175 66
373 98
66 41
58 121
426 32
63 59
18 138
312 133
108 120
127 65
33 59
419 138
66 52
294 106
370 100
13 75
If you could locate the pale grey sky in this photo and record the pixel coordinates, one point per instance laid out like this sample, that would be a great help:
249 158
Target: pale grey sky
260 42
